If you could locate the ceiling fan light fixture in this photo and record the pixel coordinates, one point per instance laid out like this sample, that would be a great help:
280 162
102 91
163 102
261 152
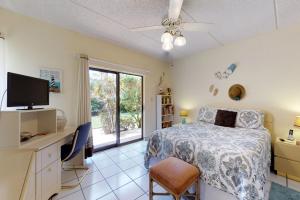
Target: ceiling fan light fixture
166 37
167 45
180 41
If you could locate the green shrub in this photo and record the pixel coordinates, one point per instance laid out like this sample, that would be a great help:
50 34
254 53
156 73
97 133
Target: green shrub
96 105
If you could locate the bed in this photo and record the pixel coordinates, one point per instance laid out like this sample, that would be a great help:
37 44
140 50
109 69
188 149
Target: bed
233 160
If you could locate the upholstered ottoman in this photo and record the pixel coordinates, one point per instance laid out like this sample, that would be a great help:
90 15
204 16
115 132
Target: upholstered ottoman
175 176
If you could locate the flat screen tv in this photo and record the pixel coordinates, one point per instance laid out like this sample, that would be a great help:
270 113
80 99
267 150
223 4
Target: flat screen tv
26 91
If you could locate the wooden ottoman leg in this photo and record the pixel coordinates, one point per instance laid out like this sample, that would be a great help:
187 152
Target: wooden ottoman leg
197 189
177 197
150 188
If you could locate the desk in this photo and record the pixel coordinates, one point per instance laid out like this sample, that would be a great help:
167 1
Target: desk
13 172
42 142
33 171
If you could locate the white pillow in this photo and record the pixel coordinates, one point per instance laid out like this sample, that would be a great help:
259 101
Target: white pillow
207 114
250 119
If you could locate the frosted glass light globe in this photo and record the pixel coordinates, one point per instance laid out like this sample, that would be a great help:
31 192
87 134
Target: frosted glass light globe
166 36
180 41
167 46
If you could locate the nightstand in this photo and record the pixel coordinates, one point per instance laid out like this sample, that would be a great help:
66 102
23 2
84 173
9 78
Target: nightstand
287 159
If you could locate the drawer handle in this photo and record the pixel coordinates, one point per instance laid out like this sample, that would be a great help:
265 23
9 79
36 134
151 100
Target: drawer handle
49 169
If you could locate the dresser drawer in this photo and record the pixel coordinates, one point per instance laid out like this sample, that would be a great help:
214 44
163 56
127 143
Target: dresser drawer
38 161
50 180
287 166
288 151
49 155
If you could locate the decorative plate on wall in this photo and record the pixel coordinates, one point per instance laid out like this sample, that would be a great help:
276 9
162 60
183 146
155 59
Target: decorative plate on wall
236 92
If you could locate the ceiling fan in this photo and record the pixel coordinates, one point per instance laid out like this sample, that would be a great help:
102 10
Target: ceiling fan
174 26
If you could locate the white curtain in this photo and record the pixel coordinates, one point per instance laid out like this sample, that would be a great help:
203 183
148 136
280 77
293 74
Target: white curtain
2 69
83 100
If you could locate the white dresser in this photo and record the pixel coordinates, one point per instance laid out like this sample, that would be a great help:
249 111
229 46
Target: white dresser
42 179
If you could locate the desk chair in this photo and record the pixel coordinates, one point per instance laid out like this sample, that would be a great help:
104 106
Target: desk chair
69 151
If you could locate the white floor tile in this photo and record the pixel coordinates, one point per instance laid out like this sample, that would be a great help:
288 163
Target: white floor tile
81 172
110 171
96 191
100 156
119 158
110 196
139 159
67 176
131 154
66 192
103 163
143 182
112 152
136 172
91 179
129 192
126 164
156 197
88 161
118 180
158 188
143 197
74 196
124 149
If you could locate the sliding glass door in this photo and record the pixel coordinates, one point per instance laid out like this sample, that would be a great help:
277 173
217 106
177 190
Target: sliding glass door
116 106
103 87
131 107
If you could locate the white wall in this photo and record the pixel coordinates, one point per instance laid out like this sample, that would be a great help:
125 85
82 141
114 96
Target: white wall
32 44
2 69
268 67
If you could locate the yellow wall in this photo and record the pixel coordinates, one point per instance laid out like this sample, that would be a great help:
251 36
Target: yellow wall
267 65
32 44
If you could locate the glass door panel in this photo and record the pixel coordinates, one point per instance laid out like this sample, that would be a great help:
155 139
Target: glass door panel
103 91
131 107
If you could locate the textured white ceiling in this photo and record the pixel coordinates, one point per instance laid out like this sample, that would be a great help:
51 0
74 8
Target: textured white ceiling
112 20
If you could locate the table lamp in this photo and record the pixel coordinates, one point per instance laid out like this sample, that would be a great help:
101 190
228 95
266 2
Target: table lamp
183 114
297 121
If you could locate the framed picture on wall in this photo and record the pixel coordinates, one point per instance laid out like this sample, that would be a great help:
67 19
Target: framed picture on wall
54 76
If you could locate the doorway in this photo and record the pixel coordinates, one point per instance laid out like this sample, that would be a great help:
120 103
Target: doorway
116 108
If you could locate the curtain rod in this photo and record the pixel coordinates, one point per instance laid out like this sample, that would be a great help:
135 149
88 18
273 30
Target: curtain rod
118 65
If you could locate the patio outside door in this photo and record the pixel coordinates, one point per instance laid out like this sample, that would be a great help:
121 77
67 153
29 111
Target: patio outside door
117 108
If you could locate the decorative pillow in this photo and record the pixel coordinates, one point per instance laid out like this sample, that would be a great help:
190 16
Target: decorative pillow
225 118
250 119
207 114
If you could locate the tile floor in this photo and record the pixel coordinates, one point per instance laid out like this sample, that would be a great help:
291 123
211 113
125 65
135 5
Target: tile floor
119 174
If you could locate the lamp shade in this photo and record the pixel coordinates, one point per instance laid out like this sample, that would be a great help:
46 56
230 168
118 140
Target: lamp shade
183 113
166 37
167 46
180 41
297 121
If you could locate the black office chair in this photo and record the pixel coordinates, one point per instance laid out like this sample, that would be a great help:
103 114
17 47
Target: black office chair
69 151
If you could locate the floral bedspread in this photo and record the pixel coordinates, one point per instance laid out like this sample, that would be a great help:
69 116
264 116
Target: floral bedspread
235 160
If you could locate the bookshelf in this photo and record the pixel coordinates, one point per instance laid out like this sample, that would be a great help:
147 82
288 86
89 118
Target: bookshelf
164 111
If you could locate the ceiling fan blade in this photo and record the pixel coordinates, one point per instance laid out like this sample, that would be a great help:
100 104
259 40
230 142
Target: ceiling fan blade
147 28
203 27
174 9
